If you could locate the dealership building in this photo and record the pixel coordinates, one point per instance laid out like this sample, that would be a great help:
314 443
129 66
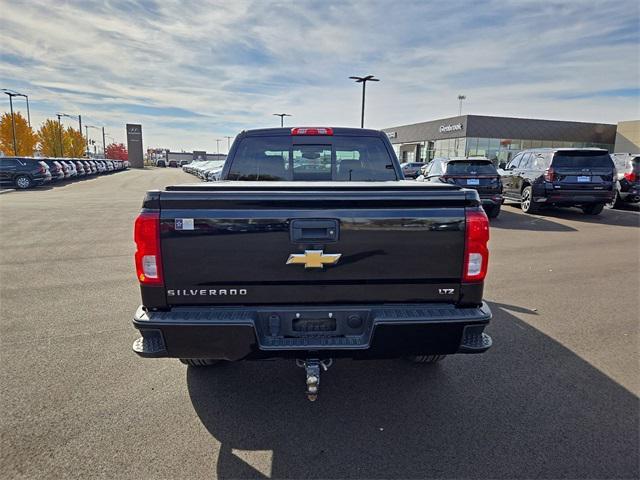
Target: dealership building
496 138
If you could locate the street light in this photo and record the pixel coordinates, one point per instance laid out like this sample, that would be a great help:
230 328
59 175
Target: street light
282 115
461 98
364 80
18 94
13 120
218 140
79 117
59 115
228 143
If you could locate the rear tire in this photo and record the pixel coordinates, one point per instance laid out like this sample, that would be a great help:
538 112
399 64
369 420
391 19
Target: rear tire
425 358
200 362
23 182
527 205
593 209
494 211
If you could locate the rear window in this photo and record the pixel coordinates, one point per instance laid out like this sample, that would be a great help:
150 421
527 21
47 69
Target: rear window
471 167
582 160
332 158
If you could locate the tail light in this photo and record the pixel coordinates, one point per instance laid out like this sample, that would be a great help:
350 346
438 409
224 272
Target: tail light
476 252
631 176
312 131
147 237
550 175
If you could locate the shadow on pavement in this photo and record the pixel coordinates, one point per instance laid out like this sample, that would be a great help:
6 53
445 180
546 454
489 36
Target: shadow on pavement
613 217
527 408
517 221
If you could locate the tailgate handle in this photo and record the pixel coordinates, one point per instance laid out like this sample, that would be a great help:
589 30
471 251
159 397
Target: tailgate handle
309 231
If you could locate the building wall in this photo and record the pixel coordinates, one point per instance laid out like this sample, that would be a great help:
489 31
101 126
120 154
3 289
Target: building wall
628 137
497 138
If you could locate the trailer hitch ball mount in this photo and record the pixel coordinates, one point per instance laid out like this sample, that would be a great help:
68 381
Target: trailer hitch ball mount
313 367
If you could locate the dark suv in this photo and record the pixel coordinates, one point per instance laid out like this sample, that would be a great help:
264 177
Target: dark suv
476 173
23 173
565 177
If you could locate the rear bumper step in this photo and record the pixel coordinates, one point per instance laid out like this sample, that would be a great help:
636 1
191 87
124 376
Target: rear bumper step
362 331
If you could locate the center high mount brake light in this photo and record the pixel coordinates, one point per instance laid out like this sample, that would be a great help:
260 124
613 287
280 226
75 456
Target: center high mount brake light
312 131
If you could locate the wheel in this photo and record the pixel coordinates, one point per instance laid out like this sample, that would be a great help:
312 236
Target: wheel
23 182
616 202
199 362
425 358
494 211
526 202
593 209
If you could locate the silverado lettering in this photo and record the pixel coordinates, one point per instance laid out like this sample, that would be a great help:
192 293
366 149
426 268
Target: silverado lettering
344 257
213 292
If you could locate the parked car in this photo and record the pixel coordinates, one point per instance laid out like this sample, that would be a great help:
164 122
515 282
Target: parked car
161 163
110 167
412 169
565 177
23 173
57 173
627 188
476 173
71 168
80 167
213 172
173 163
184 162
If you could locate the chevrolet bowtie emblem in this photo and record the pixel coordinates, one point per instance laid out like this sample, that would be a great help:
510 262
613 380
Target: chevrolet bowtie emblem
314 258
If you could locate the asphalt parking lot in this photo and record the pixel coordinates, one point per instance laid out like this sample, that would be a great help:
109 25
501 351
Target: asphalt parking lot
556 397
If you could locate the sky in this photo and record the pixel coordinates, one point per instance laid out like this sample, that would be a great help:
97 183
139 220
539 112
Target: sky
192 72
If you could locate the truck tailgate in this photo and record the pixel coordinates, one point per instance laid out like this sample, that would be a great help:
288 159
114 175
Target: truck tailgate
229 244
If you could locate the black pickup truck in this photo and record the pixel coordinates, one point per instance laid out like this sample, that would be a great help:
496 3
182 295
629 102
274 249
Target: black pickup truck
315 248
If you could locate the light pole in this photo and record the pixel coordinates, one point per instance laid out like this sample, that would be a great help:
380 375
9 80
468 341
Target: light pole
59 115
460 98
282 115
218 140
228 143
13 121
79 117
364 80
18 94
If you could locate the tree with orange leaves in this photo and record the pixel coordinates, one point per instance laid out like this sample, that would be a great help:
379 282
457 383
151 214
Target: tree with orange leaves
25 138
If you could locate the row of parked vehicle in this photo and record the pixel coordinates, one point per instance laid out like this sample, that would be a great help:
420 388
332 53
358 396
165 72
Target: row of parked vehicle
207 170
27 172
588 178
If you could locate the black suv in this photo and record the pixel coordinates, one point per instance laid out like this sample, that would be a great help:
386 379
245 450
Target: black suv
22 173
565 177
476 173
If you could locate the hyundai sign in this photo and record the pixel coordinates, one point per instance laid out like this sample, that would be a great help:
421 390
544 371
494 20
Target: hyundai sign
134 145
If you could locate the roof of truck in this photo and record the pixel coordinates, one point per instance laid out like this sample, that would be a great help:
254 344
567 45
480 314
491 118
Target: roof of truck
336 131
